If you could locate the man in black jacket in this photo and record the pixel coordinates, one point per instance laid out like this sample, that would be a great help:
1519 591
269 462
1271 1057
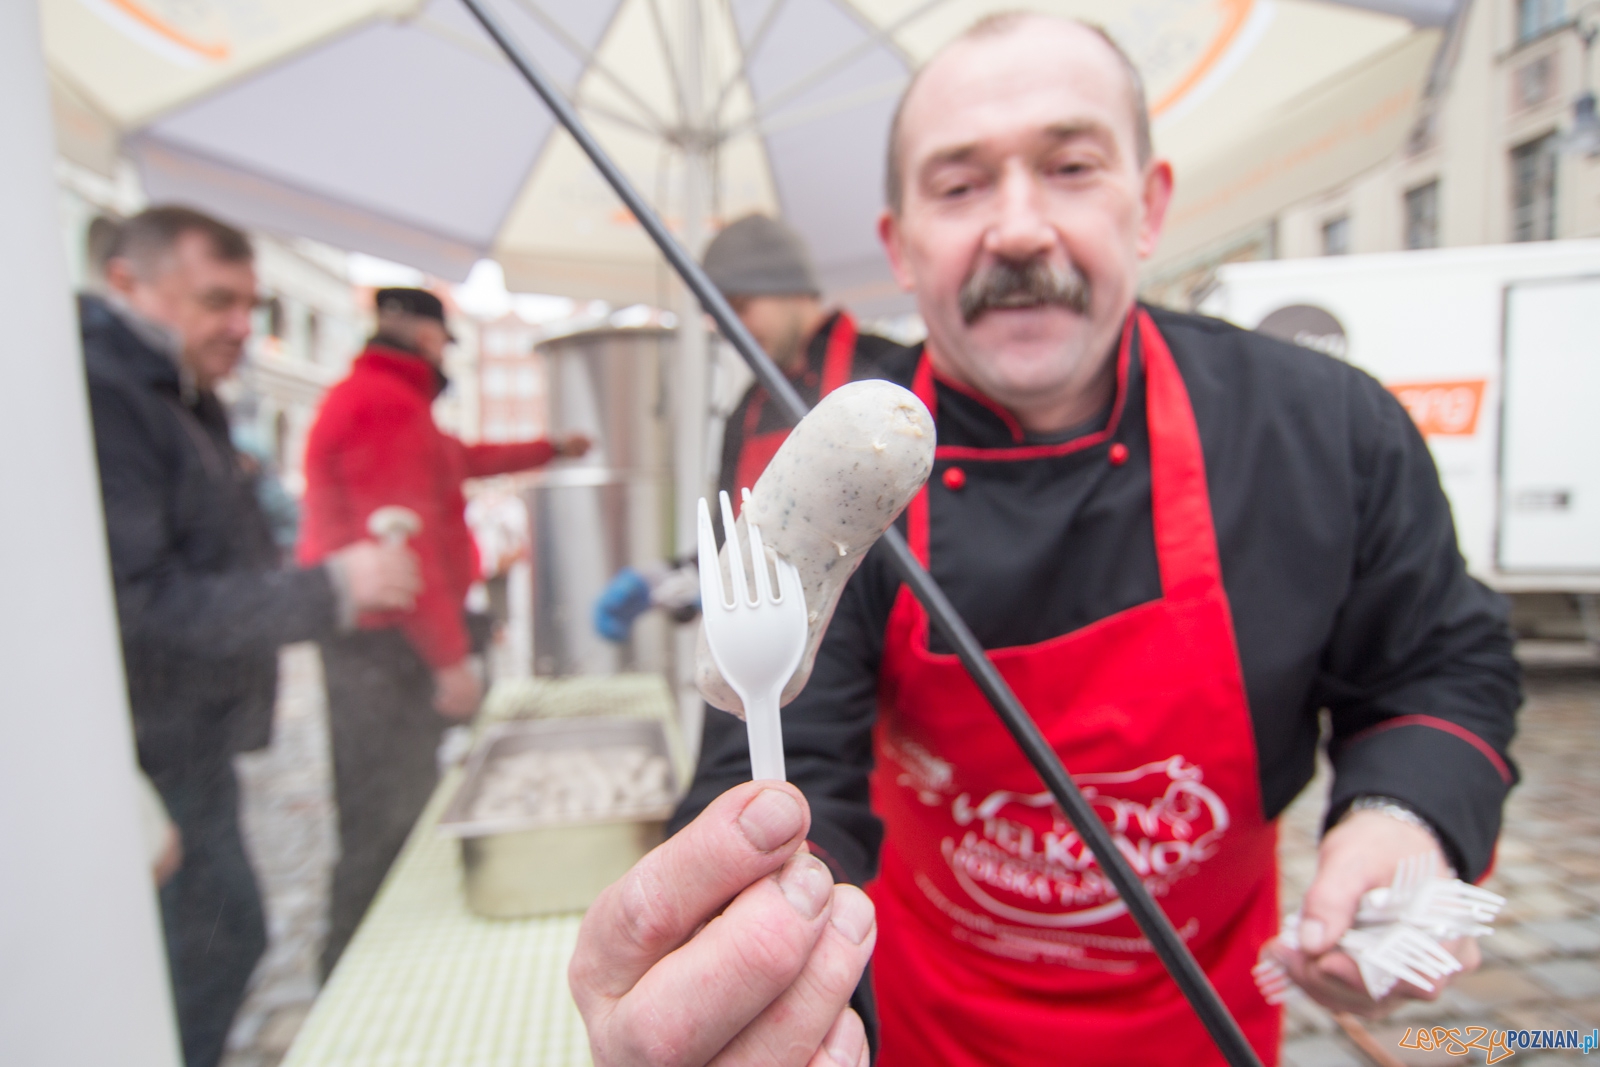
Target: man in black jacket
201 605
1181 542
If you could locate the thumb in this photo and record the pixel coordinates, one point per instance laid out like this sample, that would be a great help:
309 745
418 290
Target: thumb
1330 905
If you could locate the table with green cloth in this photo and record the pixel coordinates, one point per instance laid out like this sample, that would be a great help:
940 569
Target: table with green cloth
425 982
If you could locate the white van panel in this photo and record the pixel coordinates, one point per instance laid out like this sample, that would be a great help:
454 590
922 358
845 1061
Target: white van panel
1550 473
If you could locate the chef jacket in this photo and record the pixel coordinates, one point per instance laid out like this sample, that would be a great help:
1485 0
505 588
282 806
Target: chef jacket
1354 614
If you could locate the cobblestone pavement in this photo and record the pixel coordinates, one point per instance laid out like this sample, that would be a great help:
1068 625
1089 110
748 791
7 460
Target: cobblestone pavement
289 829
1541 968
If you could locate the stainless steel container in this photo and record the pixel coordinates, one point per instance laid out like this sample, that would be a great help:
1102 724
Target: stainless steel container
610 510
517 867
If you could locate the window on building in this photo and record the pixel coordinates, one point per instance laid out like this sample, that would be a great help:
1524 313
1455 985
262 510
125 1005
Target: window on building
1534 82
313 335
1422 216
280 440
276 324
1533 189
1536 16
1336 236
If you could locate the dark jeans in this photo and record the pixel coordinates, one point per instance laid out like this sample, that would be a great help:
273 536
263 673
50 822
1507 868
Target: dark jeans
385 737
211 911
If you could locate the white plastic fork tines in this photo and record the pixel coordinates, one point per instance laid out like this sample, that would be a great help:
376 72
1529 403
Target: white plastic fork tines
756 641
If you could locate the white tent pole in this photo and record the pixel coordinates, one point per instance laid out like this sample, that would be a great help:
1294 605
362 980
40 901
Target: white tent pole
83 979
693 408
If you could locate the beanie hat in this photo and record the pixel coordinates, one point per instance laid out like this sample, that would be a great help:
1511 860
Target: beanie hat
760 256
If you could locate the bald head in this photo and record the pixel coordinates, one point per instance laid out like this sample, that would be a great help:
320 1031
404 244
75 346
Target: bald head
991 34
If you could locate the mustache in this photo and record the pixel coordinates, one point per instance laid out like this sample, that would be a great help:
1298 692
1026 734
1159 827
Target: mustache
1031 283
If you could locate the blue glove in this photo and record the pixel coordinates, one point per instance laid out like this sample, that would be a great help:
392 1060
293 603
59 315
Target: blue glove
625 598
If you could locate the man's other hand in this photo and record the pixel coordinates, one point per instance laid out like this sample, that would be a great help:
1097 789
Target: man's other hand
573 446
1359 854
457 690
380 577
728 944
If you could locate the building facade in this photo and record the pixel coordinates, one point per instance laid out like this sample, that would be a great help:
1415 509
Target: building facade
1472 147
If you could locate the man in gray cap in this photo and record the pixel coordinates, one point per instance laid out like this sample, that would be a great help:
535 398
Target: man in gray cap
762 267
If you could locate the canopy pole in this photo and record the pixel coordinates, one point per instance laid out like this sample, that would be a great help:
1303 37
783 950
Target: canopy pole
690 385
1164 940
86 969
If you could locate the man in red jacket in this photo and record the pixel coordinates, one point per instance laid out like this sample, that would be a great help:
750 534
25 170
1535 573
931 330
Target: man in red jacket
395 683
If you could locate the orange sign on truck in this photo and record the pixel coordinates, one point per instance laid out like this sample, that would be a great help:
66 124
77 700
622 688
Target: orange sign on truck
1443 409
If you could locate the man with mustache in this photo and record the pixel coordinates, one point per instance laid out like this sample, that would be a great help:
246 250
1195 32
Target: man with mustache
1182 544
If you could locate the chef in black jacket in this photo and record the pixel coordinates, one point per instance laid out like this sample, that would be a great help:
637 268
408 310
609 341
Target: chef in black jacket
1182 542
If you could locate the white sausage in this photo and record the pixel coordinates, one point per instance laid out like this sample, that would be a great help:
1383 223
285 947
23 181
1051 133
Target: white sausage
839 481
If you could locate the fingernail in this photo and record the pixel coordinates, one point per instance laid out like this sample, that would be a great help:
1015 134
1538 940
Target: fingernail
1312 933
846 1045
853 915
806 884
771 819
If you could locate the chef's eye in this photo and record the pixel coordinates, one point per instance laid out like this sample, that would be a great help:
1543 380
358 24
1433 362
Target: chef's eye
1071 168
954 185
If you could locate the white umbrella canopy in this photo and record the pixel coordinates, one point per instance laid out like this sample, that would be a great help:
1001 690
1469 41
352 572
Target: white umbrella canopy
394 127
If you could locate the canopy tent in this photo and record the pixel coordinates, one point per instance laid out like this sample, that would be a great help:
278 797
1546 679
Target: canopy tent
394 127
397 128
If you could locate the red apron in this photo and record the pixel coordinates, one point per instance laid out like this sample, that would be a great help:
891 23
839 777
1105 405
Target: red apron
759 448
1000 941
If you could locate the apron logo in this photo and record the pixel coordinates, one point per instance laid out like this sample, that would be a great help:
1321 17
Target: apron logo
1021 860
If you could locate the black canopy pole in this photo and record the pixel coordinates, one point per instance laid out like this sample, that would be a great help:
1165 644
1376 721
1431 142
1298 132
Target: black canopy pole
1180 963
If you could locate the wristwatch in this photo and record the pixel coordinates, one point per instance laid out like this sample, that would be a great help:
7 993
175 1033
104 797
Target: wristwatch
1394 809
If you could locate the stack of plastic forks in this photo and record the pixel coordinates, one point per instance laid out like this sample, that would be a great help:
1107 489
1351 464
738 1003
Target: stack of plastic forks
1398 929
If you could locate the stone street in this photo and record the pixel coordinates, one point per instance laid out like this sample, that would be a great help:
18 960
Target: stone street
1541 968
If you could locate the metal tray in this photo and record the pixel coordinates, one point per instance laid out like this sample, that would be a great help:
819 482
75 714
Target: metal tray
522 866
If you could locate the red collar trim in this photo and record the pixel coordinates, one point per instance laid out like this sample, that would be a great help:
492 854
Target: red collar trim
1023 452
411 368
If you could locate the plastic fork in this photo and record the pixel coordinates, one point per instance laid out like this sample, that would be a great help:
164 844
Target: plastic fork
1394 952
756 641
1447 908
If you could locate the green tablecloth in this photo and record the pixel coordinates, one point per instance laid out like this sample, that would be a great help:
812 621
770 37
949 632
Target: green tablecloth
426 983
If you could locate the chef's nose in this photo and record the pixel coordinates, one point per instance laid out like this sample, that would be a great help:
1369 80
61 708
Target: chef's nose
1020 231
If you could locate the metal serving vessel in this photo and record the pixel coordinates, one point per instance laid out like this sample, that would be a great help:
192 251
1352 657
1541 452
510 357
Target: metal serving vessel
609 510
516 867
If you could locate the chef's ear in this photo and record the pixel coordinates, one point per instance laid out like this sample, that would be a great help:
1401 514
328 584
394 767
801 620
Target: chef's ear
1156 197
889 234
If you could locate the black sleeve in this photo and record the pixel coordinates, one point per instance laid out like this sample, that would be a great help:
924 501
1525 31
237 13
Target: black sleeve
161 601
827 734
1418 674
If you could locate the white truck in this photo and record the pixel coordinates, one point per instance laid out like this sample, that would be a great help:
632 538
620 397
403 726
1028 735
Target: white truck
1496 353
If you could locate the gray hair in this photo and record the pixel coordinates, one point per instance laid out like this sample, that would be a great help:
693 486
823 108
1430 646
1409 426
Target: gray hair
150 236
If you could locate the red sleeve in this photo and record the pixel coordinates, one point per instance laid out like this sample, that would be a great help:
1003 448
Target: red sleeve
484 460
397 458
